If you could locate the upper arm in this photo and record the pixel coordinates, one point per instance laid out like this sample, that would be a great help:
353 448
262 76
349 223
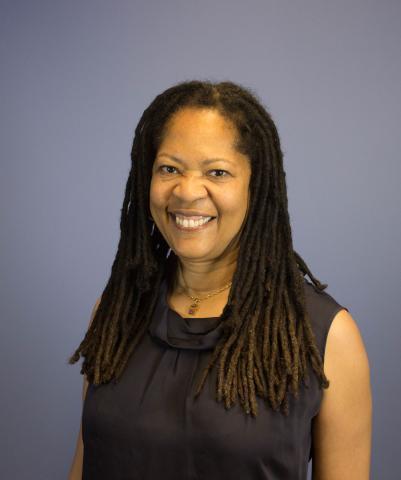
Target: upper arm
76 467
342 428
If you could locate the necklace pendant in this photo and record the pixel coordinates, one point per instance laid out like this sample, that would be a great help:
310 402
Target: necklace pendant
193 308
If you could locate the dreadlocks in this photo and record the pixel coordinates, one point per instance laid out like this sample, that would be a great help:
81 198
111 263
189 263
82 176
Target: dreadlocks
267 339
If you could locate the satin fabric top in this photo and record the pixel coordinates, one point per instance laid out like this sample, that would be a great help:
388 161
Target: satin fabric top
148 426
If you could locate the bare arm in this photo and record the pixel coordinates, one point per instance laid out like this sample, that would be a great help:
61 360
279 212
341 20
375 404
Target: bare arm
76 467
342 428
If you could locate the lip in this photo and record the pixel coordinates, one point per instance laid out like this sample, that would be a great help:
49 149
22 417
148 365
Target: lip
191 213
197 229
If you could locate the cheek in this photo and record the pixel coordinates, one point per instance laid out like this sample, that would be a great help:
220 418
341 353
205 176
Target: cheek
235 202
155 195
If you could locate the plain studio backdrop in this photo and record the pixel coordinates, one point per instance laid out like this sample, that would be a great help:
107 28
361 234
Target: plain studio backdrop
75 79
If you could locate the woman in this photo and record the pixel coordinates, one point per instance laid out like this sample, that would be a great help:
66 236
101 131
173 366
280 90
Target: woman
208 349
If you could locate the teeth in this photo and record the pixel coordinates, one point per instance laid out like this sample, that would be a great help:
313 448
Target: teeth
191 223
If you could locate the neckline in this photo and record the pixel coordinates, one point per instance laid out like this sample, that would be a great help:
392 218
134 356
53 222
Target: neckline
173 330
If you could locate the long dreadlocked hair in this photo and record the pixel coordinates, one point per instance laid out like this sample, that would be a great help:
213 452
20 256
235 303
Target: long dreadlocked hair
267 340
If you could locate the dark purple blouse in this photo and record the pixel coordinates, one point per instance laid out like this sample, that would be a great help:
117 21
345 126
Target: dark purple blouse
149 427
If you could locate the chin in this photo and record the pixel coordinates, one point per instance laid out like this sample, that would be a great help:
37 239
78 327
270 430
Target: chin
191 254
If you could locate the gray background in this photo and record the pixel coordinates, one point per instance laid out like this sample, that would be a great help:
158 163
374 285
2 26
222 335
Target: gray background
75 78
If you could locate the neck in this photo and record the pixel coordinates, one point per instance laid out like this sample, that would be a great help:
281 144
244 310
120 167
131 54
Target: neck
201 278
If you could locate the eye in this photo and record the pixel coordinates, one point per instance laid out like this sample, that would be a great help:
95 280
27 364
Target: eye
169 170
225 173
162 167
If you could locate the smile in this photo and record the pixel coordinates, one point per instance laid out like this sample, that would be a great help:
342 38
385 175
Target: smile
191 224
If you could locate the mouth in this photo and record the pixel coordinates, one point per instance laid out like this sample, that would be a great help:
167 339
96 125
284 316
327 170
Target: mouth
191 225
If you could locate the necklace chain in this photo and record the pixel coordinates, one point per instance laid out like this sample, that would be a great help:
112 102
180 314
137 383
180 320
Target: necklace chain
194 307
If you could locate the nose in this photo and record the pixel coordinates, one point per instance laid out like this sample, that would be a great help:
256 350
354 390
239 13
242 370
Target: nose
190 188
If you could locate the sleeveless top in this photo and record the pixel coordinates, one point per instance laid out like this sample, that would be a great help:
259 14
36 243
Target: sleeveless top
148 426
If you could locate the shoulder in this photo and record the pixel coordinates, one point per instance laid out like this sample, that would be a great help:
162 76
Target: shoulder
342 428
322 309
319 300
345 349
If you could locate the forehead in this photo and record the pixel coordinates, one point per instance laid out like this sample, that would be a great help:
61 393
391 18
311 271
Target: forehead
199 132
201 138
205 122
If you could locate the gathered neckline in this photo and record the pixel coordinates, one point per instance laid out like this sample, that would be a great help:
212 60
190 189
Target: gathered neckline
173 330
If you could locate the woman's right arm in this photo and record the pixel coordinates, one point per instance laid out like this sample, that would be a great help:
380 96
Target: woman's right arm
76 467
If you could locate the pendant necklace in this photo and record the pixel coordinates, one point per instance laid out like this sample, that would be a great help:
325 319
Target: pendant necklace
194 307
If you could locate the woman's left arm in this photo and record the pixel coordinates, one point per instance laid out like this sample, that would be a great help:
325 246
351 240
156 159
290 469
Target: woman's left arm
343 427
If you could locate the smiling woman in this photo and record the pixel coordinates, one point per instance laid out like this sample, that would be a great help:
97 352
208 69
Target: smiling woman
191 138
208 351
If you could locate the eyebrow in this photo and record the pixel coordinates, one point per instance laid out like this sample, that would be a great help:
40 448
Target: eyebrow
204 162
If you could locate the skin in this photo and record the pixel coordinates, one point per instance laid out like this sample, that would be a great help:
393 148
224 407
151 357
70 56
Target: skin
343 427
207 260
182 180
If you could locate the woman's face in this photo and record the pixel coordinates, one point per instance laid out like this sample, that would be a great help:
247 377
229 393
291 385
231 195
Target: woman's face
197 173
